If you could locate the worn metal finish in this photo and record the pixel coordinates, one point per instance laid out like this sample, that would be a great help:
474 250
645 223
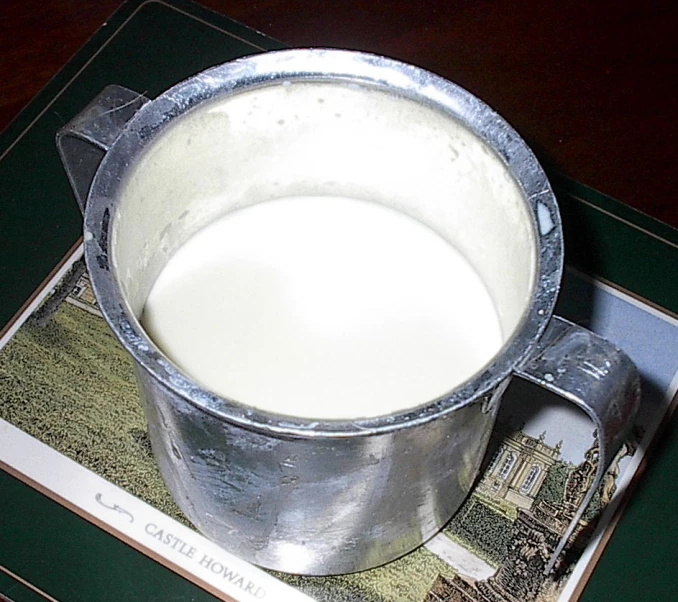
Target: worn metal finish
598 377
314 505
326 497
83 142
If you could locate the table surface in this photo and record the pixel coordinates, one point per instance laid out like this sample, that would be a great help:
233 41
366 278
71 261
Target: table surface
590 85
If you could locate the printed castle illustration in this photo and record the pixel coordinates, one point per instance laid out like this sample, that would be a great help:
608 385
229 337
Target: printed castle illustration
82 295
513 522
518 467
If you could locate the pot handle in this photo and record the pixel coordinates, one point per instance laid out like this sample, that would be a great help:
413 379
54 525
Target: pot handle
596 376
83 141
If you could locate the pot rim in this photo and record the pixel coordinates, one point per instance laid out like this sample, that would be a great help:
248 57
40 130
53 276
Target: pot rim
317 64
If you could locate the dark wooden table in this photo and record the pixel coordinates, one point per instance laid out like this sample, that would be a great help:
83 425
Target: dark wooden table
590 85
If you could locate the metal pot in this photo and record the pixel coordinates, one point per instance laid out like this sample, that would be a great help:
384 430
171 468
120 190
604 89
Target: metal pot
336 496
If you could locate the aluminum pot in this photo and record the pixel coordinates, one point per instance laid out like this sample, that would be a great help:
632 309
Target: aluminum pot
298 494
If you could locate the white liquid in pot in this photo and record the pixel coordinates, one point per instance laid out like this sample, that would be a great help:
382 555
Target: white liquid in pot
323 307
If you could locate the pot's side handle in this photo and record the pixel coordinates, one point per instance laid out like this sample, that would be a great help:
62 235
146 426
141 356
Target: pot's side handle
592 373
83 141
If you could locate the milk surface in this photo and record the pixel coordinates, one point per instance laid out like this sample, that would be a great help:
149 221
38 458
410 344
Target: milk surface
322 307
